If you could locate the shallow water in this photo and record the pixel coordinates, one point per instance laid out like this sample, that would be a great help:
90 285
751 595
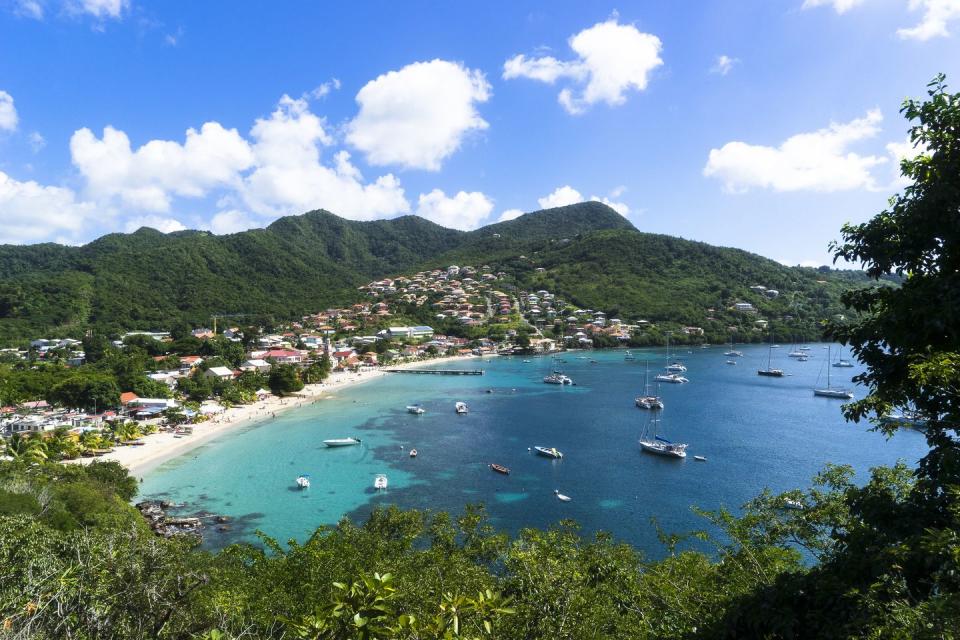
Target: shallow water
755 432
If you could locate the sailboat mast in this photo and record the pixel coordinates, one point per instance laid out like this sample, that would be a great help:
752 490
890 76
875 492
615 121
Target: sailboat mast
828 366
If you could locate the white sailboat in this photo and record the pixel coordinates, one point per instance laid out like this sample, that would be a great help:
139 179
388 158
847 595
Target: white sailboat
733 353
770 371
652 442
841 362
830 392
647 401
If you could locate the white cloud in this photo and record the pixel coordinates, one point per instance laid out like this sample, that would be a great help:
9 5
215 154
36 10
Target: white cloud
324 88
290 178
724 65
148 177
612 59
900 151
817 161
232 221
510 214
840 6
36 141
418 116
161 224
32 212
619 207
462 211
936 15
8 113
561 197
100 9
28 9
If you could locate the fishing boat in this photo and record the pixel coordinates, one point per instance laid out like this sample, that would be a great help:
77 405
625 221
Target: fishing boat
647 401
770 371
342 442
380 482
830 392
557 378
652 442
415 409
461 407
560 496
303 481
550 452
413 453
672 378
499 468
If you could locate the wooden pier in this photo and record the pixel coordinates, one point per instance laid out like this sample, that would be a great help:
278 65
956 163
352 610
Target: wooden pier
439 372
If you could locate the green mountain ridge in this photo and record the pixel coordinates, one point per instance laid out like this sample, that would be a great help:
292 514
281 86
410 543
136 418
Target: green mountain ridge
146 279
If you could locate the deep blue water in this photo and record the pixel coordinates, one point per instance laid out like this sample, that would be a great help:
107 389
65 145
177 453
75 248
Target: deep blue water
755 432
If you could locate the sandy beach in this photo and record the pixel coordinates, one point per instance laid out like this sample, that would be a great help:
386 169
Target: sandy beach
164 446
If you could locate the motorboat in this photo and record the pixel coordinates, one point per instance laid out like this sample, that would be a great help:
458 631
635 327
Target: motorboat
804 348
731 362
550 452
303 481
413 453
628 356
831 392
557 378
342 442
672 378
733 354
700 458
499 468
803 358
380 482
676 367
461 407
416 409
560 496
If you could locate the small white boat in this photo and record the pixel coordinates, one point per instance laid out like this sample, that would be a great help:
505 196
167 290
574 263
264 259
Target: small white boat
700 458
415 409
733 354
672 378
796 354
413 453
303 481
731 362
833 392
528 360
804 348
560 496
461 407
676 367
342 442
843 363
649 402
550 452
380 482
557 378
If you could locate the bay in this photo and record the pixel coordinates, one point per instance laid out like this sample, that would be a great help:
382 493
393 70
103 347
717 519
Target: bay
755 432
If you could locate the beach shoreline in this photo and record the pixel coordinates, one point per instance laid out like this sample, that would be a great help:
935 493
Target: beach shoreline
164 446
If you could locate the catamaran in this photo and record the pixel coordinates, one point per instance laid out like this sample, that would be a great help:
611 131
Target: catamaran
733 353
303 481
672 378
652 442
647 401
676 367
461 407
557 378
830 392
342 442
550 452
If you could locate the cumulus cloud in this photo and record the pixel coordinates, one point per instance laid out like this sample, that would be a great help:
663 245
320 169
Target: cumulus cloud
900 151
323 89
612 59
148 177
416 117
290 178
561 197
510 214
232 221
817 161
462 211
619 207
32 212
28 9
164 225
933 24
100 9
8 113
723 65
840 6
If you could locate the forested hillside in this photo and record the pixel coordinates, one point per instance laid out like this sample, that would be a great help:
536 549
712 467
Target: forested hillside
591 255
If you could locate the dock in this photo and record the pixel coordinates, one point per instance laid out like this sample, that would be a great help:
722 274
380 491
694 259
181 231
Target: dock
439 372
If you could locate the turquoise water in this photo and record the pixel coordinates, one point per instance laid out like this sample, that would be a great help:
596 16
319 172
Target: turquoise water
755 432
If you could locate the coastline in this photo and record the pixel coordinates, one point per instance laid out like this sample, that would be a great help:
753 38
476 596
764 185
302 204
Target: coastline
161 447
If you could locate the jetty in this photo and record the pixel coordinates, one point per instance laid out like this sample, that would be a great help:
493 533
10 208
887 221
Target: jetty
439 372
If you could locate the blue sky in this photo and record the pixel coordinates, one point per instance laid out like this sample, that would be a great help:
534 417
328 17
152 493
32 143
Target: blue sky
759 124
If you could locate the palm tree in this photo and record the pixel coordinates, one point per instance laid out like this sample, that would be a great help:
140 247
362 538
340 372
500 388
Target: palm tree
62 444
31 449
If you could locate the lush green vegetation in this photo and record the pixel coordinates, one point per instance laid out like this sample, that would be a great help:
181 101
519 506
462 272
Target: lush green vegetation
305 263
